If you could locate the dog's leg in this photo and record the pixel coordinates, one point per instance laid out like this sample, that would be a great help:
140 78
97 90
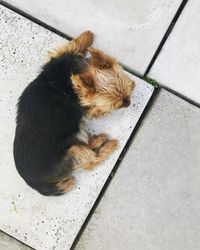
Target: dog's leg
96 141
65 184
77 45
105 150
84 157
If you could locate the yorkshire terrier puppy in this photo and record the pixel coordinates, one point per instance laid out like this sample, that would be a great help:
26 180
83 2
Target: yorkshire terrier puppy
50 141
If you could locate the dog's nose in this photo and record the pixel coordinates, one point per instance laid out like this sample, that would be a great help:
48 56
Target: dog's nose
126 101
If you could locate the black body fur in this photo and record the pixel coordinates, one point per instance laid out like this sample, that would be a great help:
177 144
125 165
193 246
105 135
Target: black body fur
48 120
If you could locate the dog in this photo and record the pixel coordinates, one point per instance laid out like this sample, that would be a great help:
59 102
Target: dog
50 140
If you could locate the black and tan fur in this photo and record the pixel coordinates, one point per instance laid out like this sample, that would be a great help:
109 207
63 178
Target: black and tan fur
50 141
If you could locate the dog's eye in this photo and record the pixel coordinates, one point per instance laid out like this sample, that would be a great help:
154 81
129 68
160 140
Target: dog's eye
126 101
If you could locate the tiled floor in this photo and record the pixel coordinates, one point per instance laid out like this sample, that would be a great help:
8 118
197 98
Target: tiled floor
178 65
43 222
153 201
130 30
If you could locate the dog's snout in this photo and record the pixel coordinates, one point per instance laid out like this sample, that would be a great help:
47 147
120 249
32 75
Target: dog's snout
126 101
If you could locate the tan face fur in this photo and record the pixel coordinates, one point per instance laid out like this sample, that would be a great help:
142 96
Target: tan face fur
104 87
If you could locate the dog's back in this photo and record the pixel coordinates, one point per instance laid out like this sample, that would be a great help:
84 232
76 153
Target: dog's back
48 119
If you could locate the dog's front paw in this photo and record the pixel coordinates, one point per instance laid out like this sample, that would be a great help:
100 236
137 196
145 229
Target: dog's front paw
108 147
97 141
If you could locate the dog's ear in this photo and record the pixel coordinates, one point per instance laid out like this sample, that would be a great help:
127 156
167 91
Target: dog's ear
100 60
83 83
87 79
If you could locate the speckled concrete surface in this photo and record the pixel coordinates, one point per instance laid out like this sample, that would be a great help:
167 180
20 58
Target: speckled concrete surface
178 64
131 30
42 222
153 201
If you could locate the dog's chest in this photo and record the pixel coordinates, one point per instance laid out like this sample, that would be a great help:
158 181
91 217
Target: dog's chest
82 134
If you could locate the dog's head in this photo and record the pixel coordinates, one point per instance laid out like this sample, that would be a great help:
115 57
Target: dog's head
104 86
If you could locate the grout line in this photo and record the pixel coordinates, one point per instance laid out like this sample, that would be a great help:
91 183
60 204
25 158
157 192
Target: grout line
62 34
34 19
54 30
132 71
23 244
166 35
183 97
115 168
128 69
123 154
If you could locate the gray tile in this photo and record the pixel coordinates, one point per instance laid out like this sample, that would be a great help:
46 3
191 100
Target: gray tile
47 222
178 65
9 243
131 30
153 201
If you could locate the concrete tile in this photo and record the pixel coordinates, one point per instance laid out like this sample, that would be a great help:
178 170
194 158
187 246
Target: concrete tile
42 222
130 30
178 65
9 243
153 201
